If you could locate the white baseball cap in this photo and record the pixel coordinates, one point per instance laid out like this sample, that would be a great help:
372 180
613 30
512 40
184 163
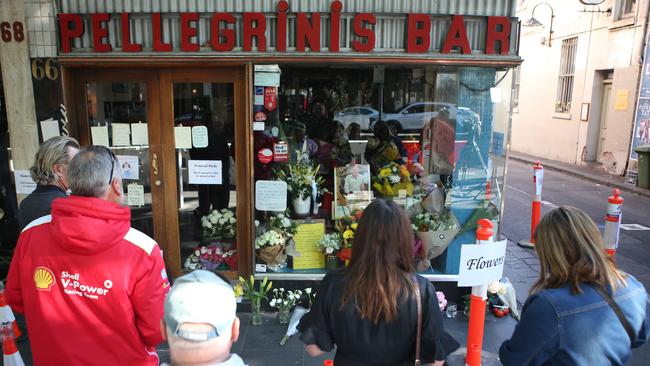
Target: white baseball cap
200 297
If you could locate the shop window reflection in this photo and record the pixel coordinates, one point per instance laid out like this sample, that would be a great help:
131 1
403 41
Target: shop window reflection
425 138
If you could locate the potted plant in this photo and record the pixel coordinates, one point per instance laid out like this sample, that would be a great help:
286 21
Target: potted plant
270 249
284 301
302 183
255 295
328 245
436 231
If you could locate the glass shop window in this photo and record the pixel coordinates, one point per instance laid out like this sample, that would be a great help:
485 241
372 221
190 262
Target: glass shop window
330 140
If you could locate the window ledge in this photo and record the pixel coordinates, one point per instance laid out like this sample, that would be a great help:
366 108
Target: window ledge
557 115
622 23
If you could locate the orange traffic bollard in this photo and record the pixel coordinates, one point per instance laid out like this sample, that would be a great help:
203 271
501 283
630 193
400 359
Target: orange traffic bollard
613 222
536 214
478 302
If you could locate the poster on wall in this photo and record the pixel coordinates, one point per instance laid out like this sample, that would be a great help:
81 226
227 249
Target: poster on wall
641 133
352 189
641 129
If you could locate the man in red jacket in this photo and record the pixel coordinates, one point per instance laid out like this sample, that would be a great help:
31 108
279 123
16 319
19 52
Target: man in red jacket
91 287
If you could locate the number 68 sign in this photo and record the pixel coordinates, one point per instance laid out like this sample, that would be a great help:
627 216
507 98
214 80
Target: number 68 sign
9 31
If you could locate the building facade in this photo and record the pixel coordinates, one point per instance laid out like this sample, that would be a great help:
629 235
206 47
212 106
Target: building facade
214 107
578 89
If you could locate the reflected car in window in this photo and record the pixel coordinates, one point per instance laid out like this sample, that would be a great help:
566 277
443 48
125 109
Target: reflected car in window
363 116
414 116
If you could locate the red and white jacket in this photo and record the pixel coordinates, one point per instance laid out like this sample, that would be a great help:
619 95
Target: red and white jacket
91 287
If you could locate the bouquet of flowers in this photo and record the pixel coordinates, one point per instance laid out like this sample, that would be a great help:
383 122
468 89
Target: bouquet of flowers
211 257
269 239
255 295
415 169
329 243
283 224
392 179
301 178
219 224
270 249
427 221
435 231
284 300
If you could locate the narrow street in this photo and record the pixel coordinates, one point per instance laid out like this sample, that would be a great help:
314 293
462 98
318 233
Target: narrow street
633 255
522 265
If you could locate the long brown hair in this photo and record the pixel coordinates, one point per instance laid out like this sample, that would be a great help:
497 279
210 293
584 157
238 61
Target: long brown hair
380 272
571 252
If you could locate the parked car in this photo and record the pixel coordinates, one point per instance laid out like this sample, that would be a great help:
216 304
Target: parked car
363 116
412 117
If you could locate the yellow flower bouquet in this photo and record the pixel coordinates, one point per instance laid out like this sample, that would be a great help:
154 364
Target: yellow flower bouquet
393 179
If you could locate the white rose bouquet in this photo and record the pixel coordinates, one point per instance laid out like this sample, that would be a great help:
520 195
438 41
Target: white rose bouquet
219 224
268 239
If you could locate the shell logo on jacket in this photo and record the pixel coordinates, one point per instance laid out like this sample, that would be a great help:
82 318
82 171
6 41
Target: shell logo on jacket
43 279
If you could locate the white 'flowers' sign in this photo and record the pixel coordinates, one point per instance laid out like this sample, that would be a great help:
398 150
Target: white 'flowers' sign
481 264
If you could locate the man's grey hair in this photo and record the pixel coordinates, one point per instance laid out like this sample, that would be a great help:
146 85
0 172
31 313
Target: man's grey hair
51 152
89 171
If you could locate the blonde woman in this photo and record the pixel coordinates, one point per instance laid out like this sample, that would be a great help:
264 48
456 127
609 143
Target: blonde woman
582 309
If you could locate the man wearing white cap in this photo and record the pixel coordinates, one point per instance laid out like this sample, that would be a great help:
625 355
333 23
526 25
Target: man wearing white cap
200 321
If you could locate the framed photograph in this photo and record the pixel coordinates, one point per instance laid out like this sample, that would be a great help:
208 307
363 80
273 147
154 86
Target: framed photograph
352 189
584 112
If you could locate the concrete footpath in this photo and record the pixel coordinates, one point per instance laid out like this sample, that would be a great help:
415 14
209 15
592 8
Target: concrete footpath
588 171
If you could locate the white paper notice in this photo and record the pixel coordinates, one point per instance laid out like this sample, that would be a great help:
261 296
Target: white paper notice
270 195
135 194
130 166
183 137
49 129
200 136
258 126
267 79
481 264
139 134
539 181
121 134
204 171
24 182
100 135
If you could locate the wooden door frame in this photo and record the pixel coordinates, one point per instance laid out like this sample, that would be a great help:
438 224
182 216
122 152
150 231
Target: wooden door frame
160 108
243 156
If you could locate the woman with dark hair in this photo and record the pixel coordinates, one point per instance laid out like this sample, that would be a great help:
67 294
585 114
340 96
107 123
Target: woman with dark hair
582 309
369 310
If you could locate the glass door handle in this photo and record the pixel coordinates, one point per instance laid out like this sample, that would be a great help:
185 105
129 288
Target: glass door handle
154 164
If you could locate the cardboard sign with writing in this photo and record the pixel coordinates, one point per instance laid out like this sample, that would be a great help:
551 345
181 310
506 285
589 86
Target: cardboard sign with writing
481 264
306 237
270 195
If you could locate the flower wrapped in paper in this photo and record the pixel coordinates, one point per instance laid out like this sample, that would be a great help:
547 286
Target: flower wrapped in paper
393 180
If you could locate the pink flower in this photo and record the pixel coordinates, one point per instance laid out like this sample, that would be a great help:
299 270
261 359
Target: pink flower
442 302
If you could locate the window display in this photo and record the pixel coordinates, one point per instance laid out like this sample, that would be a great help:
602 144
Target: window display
431 139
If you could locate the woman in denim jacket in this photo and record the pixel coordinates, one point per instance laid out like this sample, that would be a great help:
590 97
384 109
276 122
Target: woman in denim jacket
566 321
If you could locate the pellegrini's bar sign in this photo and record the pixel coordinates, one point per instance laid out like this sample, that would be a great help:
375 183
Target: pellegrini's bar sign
288 32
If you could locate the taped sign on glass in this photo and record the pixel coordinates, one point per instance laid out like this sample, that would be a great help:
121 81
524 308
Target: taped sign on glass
270 195
480 264
204 171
